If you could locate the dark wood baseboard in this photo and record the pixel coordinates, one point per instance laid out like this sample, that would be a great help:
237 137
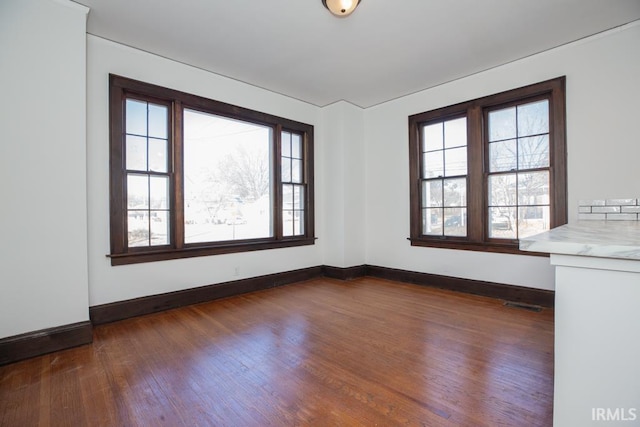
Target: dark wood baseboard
342 273
154 303
541 297
37 343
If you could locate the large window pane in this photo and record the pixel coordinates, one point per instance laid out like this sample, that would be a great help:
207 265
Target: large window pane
227 179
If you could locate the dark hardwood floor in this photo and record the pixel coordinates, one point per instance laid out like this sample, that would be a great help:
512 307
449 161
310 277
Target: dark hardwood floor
323 352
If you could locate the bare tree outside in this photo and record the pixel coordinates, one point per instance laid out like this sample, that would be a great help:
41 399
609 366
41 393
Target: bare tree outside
245 173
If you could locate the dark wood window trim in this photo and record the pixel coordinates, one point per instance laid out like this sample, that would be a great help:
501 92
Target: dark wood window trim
122 88
477 198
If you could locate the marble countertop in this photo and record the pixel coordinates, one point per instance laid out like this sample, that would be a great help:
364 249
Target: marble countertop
605 239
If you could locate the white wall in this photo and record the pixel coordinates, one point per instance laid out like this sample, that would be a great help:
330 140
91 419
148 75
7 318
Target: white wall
109 284
345 186
43 262
603 151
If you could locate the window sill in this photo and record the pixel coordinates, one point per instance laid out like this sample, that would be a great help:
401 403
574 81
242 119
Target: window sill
504 248
197 251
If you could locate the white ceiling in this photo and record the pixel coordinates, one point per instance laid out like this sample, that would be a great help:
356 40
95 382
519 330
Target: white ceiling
386 49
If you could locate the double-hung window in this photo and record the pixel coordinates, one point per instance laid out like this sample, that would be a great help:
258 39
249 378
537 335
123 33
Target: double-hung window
191 176
487 172
444 177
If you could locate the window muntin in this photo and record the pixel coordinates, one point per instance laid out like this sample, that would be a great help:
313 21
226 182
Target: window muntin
179 190
515 183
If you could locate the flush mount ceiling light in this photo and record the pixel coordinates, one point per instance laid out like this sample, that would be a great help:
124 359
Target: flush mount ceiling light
341 7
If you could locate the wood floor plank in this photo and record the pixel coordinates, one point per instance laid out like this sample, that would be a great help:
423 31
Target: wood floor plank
323 352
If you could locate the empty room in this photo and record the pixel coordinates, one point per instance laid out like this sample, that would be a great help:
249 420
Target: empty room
319 212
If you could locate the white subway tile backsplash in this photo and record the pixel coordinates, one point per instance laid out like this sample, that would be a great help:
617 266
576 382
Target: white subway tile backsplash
620 202
599 202
605 209
609 209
